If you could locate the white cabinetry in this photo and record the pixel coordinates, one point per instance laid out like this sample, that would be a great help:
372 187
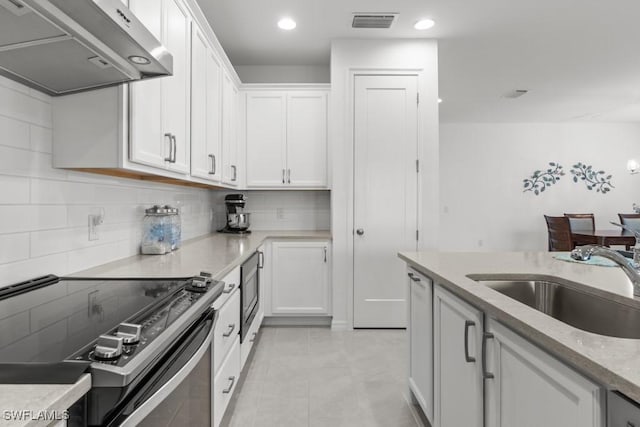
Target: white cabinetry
300 281
421 340
206 115
229 131
457 334
530 388
160 108
225 382
286 139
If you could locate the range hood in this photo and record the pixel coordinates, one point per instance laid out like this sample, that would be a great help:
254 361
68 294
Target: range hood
66 46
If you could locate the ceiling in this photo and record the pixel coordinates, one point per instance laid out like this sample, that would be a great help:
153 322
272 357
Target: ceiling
579 59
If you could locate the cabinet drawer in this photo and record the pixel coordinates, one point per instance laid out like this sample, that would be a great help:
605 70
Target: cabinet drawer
227 329
224 383
231 282
249 340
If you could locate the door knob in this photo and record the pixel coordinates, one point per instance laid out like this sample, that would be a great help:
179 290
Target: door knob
359 231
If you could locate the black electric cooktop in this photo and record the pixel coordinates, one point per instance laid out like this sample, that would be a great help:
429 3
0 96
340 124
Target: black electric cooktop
56 318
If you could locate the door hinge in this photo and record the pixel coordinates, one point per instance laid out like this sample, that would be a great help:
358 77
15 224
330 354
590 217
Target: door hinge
417 165
418 98
417 235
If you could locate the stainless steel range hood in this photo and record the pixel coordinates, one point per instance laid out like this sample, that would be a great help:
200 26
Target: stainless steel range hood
67 46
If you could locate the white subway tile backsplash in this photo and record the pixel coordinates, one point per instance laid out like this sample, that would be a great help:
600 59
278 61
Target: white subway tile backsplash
17 218
20 106
14 190
28 163
14 247
14 133
81 259
28 269
41 139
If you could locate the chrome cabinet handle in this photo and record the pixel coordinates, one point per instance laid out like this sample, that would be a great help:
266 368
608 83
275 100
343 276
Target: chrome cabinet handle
486 375
325 254
229 331
283 175
467 325
413 277
260 259
175 148
228 290
213 164
360 231
253 337
235 172
228 389
168 135
288 176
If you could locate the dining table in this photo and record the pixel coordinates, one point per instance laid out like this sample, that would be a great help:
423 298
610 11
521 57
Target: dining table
603 237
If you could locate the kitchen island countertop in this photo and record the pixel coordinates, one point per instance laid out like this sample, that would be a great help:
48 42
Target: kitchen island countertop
612 362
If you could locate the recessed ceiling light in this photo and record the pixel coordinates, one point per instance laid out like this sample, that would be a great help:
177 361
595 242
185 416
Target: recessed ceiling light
424 24
439 100
286 24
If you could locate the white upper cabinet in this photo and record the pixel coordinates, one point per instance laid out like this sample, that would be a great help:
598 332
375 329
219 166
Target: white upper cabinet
307 139
206 116
230 171
286 134
160 109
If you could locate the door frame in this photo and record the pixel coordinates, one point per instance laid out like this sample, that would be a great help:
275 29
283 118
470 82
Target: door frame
350 125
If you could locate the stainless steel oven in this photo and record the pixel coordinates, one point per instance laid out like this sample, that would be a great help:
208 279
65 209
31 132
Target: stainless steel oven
249 292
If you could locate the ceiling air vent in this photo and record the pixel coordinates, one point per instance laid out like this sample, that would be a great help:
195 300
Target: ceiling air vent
372 20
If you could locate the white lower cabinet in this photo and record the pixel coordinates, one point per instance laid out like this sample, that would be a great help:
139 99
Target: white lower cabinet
227 328
225 382
249 341
528 387
300 279
457 335
487 375
421 347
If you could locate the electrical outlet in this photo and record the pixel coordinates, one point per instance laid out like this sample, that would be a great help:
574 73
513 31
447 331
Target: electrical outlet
94 222
280 213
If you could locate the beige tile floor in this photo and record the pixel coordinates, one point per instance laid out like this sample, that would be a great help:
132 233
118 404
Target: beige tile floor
317 377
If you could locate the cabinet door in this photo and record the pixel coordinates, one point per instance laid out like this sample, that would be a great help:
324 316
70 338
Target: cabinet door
176 89
229 131
530 388
266 139
147 143
205 109
300 278
458 383
421 340
307 139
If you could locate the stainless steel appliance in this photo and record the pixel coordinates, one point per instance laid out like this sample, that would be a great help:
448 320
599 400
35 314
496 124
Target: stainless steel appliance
147 343
249 291
63 46
237 220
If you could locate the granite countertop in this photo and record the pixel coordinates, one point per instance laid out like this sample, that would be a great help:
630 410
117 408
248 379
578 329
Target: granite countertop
612 362
39 401
216 253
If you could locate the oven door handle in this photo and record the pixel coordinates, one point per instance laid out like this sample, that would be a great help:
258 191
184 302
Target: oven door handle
158 397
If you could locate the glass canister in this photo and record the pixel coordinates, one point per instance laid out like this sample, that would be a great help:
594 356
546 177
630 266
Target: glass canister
156 226
175 227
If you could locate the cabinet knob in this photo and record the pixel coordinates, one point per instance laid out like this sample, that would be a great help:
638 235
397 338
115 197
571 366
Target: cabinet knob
360 231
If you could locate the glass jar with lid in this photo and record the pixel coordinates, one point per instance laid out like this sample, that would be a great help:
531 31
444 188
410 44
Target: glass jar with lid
175 226
156 227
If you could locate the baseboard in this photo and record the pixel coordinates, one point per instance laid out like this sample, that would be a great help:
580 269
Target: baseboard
340 325
296 321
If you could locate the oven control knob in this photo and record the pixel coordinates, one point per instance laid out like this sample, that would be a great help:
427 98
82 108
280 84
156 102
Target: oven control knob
108 347
129 332
199 282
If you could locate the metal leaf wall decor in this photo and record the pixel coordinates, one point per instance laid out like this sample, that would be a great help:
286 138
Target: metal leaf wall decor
541 180
598 180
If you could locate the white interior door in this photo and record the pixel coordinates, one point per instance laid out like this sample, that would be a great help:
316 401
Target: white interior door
385 196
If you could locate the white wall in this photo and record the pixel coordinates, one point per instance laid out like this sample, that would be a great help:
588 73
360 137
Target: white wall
44 211
283 73
482 167
347 57
281 210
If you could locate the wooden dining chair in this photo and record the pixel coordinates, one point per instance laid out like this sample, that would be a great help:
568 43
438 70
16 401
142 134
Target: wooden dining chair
581 222
559 233
631 221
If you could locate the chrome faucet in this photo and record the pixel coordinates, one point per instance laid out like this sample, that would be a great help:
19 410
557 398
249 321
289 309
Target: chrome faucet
583 253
